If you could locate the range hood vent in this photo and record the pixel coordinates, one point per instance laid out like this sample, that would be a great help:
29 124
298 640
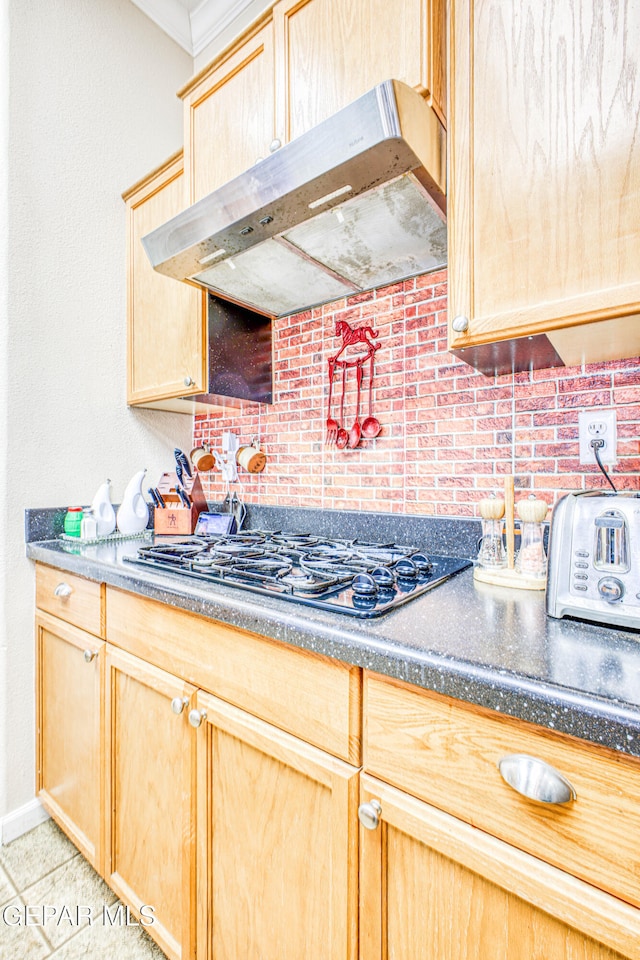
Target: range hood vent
356 203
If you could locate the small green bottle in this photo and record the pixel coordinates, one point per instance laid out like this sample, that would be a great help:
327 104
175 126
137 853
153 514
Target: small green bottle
73 521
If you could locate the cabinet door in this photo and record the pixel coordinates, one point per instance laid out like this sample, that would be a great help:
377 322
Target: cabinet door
277 856
434 887
69 782
330 52
166 329
544 187
229 115
150 763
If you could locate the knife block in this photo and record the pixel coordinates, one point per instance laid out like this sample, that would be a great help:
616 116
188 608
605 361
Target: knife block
175 518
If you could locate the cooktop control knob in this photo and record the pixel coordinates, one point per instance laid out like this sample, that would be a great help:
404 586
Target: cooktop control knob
611 589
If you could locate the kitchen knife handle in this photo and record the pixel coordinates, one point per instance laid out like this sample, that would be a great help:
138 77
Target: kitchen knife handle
160 498
153 496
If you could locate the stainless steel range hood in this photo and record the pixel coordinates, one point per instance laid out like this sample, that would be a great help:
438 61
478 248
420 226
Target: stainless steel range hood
356 203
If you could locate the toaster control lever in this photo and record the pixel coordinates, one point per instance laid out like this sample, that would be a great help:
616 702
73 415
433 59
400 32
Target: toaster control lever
611 589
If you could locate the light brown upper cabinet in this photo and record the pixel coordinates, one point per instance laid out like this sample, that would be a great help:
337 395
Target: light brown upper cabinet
166 331
229 114
544 179
329 52
304 62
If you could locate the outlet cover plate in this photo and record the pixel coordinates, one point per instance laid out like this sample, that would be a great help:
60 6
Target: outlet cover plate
594 424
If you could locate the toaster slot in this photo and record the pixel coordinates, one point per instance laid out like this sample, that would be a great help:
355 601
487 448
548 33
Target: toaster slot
612 542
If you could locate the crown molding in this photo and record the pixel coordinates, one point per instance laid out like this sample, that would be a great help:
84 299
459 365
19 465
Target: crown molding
211 18
192 31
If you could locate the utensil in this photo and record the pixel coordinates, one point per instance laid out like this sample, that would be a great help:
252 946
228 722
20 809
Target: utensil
343 437
332 425
182 460
179 473
371 426
153 495
186 502
354 433
160 498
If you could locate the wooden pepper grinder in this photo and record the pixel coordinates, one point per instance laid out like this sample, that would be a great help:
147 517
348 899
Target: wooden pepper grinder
532 559
492 555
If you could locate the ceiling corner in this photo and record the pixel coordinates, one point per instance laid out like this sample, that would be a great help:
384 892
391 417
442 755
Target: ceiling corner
193 24
172 17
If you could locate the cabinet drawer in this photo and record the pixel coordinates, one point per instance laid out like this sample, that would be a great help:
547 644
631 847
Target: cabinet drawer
71 598
448 754
311 696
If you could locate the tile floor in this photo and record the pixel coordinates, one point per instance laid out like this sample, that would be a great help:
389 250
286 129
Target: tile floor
43 867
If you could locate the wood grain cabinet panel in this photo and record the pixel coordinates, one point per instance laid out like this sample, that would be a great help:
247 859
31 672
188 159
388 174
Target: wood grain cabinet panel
448 754
69 775
434 887
328 53
544 186
229 114
151 799
277 835
71 598
165 318
311 696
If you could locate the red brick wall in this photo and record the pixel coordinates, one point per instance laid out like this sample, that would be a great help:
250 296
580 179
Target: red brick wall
449 433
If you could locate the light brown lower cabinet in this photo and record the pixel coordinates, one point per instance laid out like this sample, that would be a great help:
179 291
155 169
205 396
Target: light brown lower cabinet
277 843
69 774
150 857
244 838
433 887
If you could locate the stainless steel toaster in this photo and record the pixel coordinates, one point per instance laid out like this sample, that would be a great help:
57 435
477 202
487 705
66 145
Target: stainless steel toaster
594 558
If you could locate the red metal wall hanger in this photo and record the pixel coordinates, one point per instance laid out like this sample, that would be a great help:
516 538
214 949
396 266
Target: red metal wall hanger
336 431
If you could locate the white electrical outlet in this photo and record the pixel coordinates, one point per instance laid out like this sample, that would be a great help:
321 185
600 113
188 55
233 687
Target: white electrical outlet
597 424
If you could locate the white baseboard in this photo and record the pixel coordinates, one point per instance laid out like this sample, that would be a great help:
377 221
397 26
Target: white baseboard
21 820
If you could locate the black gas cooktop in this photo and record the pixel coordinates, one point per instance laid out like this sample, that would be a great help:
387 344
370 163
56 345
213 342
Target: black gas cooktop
344 576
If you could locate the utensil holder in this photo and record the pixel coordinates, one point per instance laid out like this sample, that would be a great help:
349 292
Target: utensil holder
176 519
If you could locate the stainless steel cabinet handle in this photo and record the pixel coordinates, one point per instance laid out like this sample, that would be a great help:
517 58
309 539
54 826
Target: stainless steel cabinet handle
189 382
275 145
178 704
536 779
196 717
63 590
460 324
369 814
89 655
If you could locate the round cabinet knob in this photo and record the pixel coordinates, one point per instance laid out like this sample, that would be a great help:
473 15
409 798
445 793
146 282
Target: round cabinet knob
275 145
189 382
460 324
196 717
369 814
611 589
89 655
178 704
63 590
535 779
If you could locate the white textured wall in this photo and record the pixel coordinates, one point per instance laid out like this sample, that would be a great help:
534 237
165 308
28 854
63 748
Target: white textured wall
92 108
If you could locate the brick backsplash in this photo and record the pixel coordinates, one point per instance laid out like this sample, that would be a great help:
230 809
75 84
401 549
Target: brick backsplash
449 433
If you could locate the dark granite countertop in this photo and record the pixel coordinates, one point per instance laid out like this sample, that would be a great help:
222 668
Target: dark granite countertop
486 645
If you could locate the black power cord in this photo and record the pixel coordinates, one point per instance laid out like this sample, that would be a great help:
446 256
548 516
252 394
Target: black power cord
597 445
